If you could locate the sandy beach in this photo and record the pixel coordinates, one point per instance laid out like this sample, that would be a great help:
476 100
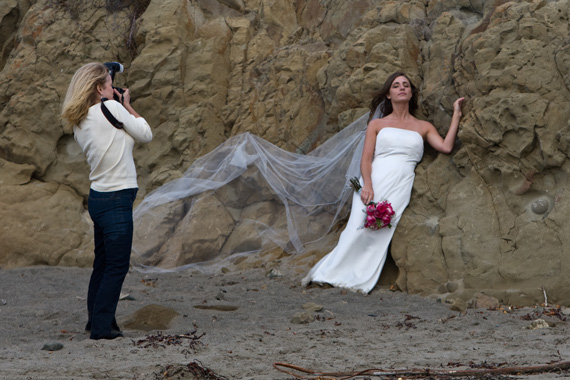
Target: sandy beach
235 325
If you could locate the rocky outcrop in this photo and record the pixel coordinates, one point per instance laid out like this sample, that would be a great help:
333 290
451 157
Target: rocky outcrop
502 198
488 218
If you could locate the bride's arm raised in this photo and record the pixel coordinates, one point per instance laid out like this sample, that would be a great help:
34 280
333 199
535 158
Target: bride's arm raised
367 192
436 141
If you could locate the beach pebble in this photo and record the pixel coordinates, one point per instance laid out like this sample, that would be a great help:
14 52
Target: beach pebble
310 306
52 347
274 273
3 301
538 324
302 318
126 297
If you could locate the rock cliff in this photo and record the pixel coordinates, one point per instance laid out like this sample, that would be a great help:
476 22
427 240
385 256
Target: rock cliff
488 218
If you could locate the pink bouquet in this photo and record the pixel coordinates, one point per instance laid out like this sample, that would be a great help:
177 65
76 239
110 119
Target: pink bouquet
378 215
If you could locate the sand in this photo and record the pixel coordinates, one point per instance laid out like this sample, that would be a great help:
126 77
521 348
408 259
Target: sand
239 323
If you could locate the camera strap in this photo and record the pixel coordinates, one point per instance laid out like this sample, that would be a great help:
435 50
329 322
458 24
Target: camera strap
112 119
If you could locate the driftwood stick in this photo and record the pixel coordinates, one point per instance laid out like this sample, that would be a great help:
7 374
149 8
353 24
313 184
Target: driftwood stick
416 373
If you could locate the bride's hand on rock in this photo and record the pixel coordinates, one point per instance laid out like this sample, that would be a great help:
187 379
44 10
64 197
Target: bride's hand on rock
366 195
457 106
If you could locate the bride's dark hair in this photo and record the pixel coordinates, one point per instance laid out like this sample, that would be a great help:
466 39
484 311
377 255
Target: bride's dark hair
385 104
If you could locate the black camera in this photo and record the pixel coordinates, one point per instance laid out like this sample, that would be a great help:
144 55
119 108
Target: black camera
115 67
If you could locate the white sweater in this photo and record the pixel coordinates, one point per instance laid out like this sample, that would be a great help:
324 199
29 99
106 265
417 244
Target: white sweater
109 150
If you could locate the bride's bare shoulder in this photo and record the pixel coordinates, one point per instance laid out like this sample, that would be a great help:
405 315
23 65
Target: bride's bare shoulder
377 124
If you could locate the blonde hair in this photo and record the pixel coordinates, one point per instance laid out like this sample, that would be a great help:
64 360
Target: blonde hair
82 92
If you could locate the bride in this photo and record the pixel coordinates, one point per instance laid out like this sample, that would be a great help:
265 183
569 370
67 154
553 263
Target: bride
393 145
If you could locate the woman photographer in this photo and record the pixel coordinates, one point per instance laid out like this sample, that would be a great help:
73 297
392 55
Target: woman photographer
113 176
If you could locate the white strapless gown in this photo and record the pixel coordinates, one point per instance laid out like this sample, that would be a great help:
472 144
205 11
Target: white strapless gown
358 258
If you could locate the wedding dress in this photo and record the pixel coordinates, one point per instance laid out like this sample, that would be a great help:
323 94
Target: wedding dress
358 258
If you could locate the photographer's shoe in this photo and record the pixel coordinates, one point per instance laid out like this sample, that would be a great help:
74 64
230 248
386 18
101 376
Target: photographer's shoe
114 326
113 335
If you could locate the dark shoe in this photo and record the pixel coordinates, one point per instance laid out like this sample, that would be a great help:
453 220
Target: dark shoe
114 326
113 335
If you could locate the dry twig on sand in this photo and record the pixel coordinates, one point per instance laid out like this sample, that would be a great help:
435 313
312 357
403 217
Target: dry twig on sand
423 373
197 369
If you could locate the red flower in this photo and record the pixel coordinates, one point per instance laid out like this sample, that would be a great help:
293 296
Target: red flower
378 215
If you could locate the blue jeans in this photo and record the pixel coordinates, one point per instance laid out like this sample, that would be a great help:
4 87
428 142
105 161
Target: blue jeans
112 215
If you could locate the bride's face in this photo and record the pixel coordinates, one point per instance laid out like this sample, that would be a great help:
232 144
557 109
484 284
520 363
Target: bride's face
401 90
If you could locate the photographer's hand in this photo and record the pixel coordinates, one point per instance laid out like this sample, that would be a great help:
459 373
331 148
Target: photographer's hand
127 101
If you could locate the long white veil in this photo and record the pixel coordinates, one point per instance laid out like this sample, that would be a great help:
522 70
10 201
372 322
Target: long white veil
247 196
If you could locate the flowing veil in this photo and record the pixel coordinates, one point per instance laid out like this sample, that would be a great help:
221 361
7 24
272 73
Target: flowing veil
246 196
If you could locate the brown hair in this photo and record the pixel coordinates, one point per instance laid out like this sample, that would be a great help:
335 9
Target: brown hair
81 93
380 99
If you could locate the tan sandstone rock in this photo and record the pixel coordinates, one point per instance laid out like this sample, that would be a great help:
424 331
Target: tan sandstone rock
488 218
